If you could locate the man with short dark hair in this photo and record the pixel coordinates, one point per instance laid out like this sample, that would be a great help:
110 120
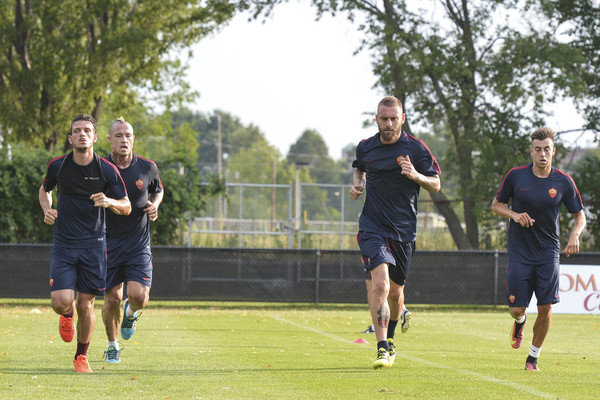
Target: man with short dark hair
86 186
537 191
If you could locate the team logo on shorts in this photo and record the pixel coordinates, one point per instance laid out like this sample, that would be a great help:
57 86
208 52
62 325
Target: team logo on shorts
139 184
511 298
51 282
552 192
400 158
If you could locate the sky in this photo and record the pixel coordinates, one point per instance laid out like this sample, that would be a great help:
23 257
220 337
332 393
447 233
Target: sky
292 73
287 75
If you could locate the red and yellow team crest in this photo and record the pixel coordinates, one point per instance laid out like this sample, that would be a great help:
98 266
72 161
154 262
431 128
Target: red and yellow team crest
51 282
511 298
552 192
139 184
400 158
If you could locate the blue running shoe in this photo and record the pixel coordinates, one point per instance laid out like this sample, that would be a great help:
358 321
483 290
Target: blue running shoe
128 324
112 355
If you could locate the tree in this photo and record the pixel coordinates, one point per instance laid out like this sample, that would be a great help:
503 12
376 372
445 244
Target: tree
580 20
482 70
588 182
61 58
310 149
22 170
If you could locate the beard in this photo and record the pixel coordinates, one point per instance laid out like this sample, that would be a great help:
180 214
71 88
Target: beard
391 135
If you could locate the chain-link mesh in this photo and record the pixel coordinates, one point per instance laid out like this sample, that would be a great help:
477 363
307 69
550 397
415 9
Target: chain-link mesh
319 276
315 276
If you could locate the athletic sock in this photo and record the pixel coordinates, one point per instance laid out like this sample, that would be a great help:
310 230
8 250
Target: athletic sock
114 344
129 312
392 328
535 352
383 344
82 348
522 319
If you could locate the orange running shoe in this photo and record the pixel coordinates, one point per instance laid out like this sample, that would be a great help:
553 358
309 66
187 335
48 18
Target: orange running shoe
66 327
81 364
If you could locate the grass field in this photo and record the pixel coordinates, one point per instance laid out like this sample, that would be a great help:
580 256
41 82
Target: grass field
188 350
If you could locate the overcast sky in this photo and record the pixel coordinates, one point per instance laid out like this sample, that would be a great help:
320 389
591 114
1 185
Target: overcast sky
293 73
288 75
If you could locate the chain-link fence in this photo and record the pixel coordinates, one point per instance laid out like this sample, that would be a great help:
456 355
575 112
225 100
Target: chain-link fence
314 276
300 216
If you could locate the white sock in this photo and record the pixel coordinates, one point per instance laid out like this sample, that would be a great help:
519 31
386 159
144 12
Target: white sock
520 320
115 344
129 312
535 351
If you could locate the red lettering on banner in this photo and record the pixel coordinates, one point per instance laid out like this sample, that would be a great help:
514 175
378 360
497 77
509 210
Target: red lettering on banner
586 302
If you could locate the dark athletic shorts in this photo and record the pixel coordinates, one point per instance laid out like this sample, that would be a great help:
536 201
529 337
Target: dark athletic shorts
522 280
83 270
137 269
376 250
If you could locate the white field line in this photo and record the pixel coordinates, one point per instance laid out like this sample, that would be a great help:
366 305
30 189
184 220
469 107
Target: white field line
477 375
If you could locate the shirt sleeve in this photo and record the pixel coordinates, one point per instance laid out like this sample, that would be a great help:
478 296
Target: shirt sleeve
358 163
572 199
49 182
154 184
116 186
427 164
506 189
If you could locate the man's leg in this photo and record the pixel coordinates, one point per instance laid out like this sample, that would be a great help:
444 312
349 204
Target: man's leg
111 313
516 333
138 295
86 321
62 304
379 287
540 330
137 298
111 316
396 303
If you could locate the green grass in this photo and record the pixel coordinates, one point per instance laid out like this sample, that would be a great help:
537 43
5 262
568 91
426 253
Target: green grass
188 350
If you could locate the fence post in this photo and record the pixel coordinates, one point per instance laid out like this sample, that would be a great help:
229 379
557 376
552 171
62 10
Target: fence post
496 256
317 277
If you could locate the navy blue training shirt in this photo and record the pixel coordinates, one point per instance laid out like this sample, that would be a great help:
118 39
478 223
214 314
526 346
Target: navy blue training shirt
541 198
80 224
129 235
390 208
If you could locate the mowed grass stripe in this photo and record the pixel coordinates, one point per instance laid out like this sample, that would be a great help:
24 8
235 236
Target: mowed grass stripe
520 388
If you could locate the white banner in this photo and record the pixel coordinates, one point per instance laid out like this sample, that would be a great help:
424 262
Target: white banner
579 287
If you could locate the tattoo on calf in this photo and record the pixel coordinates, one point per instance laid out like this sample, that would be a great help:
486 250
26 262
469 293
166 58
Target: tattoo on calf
384 315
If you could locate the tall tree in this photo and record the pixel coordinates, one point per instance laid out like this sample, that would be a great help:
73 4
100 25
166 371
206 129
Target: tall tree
60 58
482 70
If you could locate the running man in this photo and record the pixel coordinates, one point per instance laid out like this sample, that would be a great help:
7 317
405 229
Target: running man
86 185
129 255
537 191
394 166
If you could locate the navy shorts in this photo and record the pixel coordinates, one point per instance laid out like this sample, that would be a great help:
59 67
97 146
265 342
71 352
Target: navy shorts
83 270
522 280
137 269
376 250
